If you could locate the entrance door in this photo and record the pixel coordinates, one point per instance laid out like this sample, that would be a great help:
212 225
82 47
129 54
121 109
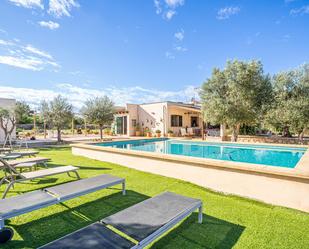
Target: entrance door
121 123
194 121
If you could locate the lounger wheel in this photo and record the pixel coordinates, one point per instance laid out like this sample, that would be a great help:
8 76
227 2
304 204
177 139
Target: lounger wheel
6 234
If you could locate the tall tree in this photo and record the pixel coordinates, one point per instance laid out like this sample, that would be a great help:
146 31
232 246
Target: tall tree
10 117
99 111
236 95
58 113
290 110
22 112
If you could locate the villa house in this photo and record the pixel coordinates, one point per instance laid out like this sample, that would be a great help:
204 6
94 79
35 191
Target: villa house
164 116
6 104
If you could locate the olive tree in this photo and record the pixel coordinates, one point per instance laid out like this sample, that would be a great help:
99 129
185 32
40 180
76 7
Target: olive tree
7 121
22 112
10 117
57 113
290 108
99 111
237 95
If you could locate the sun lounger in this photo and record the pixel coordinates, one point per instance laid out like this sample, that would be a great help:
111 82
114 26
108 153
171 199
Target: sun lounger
11 176
38 160
10 156
5 149
24 153
143 222
28 202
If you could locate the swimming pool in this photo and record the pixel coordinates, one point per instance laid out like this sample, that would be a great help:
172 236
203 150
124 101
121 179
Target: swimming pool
280 156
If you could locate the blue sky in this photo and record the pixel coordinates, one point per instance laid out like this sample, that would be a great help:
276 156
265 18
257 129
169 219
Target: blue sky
140 50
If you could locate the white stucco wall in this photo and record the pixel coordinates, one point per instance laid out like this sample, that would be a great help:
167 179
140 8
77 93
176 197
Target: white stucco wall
132 109
7 104
157 116
152 116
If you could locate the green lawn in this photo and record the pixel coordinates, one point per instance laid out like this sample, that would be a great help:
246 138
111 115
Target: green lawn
229 221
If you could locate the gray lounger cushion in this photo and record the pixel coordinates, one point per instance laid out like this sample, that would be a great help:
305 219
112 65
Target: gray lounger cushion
81 187
142 219
138 221
24 153
95 236
28 160
48 172
24 203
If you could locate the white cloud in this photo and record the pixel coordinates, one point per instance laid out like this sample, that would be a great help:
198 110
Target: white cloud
51 25
180 35
6 43
180 49
3 31
28 3
169 55
78 95
26 63
174 3
26 56
157 5
169 14
300 11
60 8
227 12
167 7
36 51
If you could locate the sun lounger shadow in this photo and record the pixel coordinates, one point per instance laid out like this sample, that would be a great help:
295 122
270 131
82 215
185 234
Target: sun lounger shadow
212 233
57 225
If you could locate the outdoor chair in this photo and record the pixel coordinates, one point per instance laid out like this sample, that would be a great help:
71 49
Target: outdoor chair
5 149
28 202
190 131
183 132
12 176
142 223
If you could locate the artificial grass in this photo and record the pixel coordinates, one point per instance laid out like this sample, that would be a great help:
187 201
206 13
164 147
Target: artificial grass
229 221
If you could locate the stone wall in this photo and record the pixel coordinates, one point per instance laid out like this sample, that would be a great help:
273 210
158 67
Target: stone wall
272 139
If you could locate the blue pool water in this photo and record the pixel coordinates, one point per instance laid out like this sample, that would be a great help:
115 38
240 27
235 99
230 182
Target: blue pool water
280 156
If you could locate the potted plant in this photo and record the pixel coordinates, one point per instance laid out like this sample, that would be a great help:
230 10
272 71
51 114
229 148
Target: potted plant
158 133
170 133
147 132
137 130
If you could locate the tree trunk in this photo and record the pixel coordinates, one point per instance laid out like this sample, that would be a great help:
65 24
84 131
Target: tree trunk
301 136
223 132
286 132
101 132
58 135
235 132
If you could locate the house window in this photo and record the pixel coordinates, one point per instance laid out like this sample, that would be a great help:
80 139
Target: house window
134 122
176 121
